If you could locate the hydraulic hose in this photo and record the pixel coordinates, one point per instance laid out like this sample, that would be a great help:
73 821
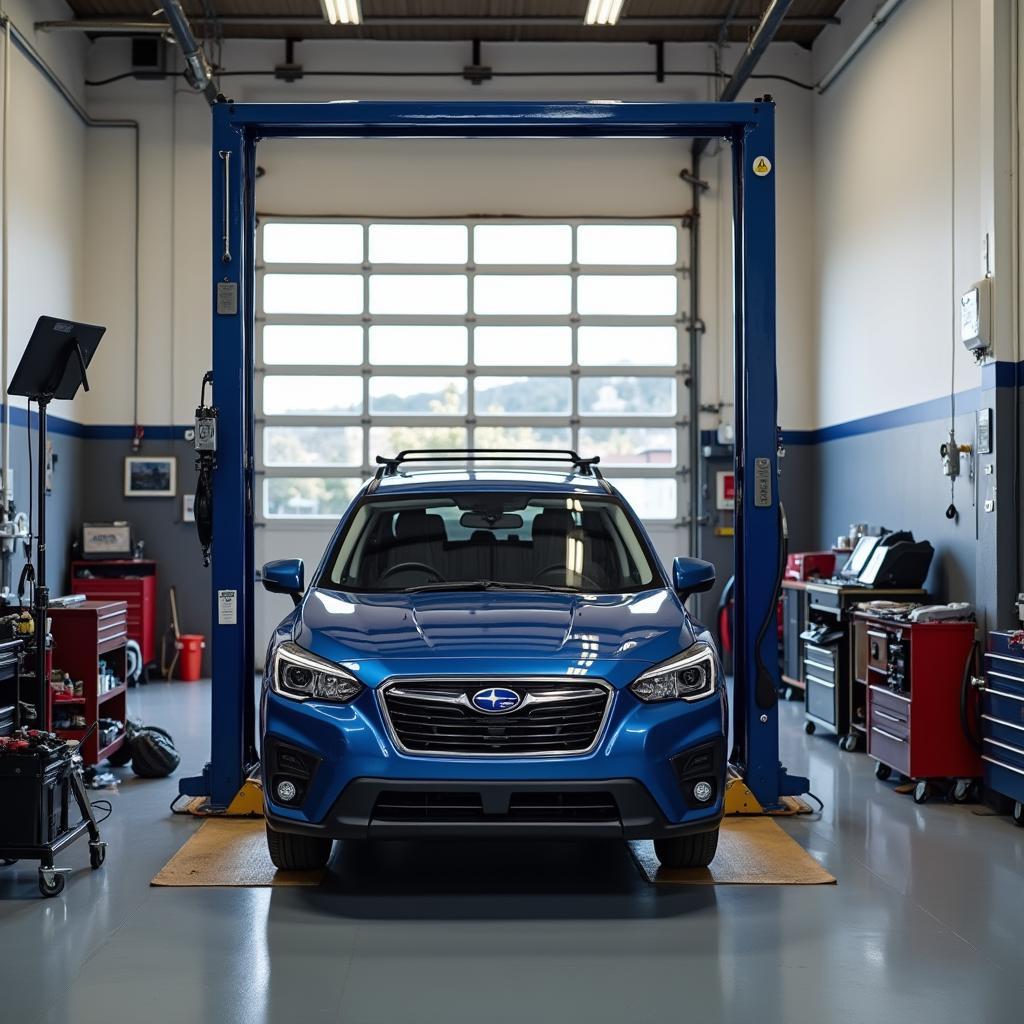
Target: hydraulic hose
973 735
765 691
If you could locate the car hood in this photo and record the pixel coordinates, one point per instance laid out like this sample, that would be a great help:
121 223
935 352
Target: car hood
610 636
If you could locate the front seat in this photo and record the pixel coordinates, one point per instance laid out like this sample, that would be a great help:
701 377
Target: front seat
420 537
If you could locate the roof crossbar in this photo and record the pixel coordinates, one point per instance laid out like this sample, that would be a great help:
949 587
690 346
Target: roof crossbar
586 467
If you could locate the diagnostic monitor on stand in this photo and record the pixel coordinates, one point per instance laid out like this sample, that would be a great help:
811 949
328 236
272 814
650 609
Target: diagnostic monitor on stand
859 559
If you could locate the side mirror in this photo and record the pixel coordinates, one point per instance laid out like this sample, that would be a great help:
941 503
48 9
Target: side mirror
692 576
285 576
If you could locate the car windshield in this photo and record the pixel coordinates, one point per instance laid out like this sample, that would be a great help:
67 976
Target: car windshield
490 541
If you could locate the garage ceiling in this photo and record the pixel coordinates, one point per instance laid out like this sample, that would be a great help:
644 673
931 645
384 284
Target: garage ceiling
494 20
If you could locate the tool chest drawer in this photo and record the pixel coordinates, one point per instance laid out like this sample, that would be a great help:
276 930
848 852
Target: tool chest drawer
827 599
823 658
1002 703
889 747
889 713
820 697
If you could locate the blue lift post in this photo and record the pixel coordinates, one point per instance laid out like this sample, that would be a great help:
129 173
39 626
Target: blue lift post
748 127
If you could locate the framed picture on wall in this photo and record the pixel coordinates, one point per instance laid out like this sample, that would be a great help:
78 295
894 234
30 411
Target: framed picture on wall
150 476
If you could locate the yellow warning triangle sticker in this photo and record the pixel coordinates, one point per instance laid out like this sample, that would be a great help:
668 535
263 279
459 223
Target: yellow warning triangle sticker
762 166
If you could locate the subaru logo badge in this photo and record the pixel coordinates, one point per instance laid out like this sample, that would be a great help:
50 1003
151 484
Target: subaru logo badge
496 700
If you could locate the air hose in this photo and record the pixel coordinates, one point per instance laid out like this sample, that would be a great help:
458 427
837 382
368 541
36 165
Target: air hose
973 734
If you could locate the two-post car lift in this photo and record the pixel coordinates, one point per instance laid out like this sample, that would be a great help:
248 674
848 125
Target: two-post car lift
749 129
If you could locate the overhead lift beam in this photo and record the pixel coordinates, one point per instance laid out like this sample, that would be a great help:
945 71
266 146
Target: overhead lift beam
237 128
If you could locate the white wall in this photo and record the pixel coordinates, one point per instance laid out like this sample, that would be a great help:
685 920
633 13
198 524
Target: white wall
415 178
900 168
46 159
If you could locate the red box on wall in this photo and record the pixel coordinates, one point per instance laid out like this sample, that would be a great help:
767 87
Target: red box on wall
129 580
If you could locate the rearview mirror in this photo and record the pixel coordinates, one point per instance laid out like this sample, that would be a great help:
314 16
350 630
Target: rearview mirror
285 576
692 576
480 521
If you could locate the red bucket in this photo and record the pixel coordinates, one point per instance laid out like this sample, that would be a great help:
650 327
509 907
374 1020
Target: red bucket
190 662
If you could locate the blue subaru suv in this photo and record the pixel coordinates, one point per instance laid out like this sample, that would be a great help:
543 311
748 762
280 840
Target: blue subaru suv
491 651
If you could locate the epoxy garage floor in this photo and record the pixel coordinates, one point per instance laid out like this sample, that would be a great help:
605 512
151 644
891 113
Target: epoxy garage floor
922 927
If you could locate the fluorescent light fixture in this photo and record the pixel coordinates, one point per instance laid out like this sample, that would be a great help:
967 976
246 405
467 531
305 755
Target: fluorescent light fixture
601 12
342 12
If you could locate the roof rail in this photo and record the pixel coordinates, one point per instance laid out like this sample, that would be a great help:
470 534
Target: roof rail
586 467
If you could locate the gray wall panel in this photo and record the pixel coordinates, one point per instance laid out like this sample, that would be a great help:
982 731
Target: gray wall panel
893 478
157 521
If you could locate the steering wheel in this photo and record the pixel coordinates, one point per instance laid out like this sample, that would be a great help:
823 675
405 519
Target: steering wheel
413 565
559 567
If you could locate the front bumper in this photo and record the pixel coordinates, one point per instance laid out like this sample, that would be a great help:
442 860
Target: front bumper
482 810
640 761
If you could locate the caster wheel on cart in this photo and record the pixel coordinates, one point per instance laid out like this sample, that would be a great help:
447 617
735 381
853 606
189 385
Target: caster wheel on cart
809 728
1018 814
849 742
97 854
922 791
962 791
882 771
53 887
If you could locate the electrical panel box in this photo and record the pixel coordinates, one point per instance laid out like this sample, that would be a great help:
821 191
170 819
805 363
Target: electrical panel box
976 317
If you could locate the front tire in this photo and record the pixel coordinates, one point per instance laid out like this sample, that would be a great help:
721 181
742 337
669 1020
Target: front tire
298 853
695 851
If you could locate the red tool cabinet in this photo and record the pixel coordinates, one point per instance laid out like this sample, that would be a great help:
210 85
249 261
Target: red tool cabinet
129 580
82 634
914 674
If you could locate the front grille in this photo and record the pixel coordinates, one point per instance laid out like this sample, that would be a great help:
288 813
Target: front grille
546 806
554 718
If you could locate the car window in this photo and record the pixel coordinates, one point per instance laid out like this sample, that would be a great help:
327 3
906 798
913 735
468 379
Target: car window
524 541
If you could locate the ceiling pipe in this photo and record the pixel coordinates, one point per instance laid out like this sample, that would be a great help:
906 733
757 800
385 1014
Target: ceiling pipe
287 22
878 19
769 25
198 72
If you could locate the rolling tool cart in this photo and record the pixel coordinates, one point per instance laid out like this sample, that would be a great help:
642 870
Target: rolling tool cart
1002 719
39 776
40 773
834 701
913 672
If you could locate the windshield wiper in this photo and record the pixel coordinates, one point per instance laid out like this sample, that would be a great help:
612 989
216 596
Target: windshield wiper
482 585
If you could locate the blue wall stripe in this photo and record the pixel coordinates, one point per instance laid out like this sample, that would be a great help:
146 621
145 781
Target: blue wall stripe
993 375
93 431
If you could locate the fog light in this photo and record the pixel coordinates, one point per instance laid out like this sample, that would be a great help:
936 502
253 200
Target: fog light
286 791
701 791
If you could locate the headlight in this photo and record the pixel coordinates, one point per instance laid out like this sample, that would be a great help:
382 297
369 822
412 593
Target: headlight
300 675
691 676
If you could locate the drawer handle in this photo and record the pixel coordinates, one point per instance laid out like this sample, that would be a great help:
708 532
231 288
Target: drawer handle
1012 696
1005 746
818 664
1008 767
889 693
1005 657
820 682
815 649
887 735
825 608
1000 721
891 718
878 634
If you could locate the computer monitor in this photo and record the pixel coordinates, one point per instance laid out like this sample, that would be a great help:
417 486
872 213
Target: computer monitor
860 558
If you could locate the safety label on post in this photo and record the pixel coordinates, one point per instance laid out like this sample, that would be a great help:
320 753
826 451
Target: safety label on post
762 483
762 166
227 607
